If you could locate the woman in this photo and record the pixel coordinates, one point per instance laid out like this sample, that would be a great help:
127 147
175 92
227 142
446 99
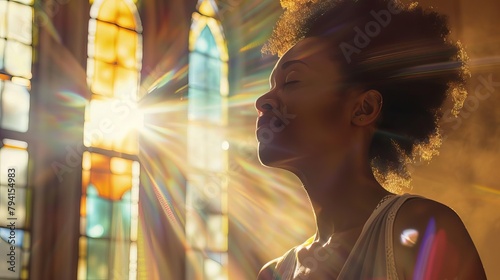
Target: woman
356 95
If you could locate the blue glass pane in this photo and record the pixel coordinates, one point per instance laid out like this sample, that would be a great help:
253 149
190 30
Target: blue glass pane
213 73
197 70
97 258
206 43
98 217
15 237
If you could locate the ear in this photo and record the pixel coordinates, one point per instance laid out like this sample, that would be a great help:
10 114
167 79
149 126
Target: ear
367 108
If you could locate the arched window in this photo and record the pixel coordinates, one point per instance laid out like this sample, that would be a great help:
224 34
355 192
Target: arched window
16 49
206 201
110 175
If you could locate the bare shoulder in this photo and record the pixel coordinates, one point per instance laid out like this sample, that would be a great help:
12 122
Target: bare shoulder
430 240
267 271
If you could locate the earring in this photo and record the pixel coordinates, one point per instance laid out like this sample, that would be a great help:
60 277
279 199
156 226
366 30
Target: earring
361 119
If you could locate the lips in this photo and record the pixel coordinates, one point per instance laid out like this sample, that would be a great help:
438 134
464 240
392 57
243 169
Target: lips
265 121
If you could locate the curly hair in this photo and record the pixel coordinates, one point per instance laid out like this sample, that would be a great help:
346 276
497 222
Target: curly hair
403 51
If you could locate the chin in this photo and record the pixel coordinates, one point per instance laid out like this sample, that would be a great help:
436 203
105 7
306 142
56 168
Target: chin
274 156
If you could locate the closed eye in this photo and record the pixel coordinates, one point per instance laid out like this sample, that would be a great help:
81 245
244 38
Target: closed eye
291 82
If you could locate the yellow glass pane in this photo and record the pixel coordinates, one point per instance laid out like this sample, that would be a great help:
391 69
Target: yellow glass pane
20 21
120 184
83 207
100 162
15 107
126 48
101 181
86 163
125 17
18 59
102 82
121 166
107 11
126 81
105 40
85 180
3 18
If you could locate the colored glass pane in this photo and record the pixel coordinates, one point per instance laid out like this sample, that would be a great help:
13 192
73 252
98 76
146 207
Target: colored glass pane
2 50
15 107
14 155
17 59
105 40
98 217
126 48
119 260
125 83
20 18
97 258
102 78
17 202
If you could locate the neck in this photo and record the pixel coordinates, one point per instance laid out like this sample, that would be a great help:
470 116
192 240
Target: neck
342 195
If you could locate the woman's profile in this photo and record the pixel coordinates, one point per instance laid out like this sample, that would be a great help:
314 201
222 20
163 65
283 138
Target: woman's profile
355 96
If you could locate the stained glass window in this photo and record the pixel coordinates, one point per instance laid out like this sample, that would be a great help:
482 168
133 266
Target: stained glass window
206 201
110 174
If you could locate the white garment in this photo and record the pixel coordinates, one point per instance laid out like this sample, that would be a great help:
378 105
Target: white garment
372 256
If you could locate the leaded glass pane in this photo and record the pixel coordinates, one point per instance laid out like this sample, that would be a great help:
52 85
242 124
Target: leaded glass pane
119 260
104 74
97 258
197 70
20 20
126 48
13 156
105 40
217 232
195 229
15 107
3 18
125 83
98 217
5 250
17 202
2 50
17 60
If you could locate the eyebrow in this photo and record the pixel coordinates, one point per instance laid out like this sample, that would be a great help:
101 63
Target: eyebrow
291 62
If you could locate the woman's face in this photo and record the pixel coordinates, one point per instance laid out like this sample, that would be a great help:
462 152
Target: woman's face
305 114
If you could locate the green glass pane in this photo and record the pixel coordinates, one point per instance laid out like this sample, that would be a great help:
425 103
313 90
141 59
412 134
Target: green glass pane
20 21
17 213
13 157
17 60
121 220
120 260
98 217
5 273
15 107
3 18
97 259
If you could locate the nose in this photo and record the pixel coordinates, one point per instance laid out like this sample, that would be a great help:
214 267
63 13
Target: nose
266 103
